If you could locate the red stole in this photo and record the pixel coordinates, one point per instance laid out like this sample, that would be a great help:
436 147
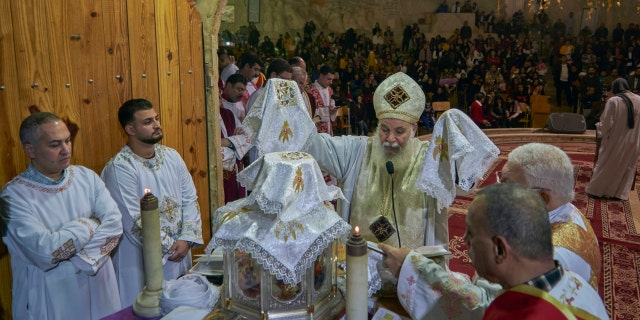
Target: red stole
316 101
232 189
527 302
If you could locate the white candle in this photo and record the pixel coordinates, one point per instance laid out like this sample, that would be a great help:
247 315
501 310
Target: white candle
147 303
357 277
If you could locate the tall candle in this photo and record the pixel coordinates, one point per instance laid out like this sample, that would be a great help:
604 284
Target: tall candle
357 277
147 303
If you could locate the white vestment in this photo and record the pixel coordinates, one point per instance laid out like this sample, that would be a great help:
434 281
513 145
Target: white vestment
236 107
60 259
452 296
425 289
126 176
366 186
584 244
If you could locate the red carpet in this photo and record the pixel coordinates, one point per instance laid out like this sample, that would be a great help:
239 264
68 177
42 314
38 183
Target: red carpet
611 220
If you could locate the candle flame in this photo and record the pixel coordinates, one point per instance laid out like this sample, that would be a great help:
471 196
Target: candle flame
147 191
357 231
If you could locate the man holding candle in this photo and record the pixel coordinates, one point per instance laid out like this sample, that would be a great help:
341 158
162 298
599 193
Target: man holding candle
510 243
145 164
60 225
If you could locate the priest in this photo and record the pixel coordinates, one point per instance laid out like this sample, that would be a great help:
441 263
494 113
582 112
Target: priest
387 177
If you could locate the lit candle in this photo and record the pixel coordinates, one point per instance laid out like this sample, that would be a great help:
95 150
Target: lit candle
147 303
357 277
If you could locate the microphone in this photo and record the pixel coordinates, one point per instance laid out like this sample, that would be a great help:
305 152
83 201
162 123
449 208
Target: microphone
390 167
391 170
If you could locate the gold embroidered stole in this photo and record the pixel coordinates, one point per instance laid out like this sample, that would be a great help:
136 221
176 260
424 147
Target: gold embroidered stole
372 198
583 242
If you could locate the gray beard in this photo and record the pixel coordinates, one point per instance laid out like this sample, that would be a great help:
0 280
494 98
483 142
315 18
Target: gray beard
402 159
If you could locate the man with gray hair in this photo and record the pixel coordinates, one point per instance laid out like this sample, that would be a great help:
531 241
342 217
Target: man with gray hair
299 75
60 226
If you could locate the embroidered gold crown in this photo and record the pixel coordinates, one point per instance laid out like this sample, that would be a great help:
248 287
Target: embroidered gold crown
399 97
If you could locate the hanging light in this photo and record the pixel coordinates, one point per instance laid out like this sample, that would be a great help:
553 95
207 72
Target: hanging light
591 4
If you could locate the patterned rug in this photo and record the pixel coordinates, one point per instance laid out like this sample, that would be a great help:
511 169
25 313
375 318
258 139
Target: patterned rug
612 222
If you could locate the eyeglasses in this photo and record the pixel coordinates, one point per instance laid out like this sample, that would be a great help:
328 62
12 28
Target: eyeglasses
501 179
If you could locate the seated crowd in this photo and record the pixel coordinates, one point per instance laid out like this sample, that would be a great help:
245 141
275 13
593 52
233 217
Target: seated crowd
504 61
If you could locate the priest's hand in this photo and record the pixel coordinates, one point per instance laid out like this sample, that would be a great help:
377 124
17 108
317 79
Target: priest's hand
180 249
394 257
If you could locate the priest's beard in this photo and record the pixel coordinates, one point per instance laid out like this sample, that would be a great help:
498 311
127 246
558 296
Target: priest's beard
402 158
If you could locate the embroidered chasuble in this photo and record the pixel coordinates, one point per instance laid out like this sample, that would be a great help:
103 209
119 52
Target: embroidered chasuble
373 198
582 242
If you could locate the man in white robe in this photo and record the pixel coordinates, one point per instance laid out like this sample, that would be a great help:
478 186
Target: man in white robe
510 243
618 131
145 164
360 163
60 227
548 170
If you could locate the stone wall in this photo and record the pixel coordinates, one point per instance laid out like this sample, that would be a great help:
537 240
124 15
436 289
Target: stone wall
279 16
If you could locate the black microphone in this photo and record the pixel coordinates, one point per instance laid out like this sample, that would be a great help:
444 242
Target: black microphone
391 170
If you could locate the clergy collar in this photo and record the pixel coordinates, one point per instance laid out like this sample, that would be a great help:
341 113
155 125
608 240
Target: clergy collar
548 280
36 176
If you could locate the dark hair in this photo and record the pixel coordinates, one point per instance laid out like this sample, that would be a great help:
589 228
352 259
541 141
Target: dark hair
250 58
30 125
278 66
324 70
126 113
518 214
235 78
296 61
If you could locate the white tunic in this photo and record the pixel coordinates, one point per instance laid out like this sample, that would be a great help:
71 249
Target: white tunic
236 107
571 260
59 255
126 176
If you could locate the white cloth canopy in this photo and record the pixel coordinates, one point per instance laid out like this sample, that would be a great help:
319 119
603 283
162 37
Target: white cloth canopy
287 221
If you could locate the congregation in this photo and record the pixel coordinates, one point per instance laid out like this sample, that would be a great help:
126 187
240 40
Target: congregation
508 59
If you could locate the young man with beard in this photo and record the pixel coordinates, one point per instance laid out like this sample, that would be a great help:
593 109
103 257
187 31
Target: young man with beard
360 165
145 164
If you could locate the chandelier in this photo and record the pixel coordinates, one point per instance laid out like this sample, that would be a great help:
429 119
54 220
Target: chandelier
535 5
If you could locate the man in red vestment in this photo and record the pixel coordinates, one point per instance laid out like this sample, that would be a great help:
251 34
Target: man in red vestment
509 238
235 144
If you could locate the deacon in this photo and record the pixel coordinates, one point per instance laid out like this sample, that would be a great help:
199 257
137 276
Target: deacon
145 164
60 225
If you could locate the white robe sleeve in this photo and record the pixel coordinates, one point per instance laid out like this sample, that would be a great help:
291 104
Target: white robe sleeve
428 291
191 222
106 236
37 242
